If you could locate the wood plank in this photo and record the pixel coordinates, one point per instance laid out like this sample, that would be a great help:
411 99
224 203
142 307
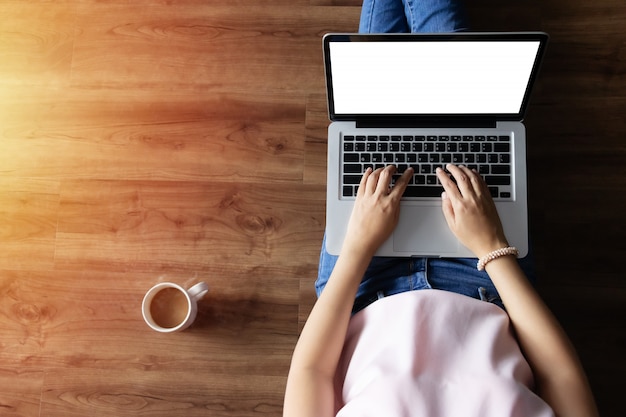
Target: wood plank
204 45
157 393
21 392
28 212
356 3
36 44
136 134
315 148
166 226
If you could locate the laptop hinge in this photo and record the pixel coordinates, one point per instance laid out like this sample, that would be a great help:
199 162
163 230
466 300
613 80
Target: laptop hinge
430 123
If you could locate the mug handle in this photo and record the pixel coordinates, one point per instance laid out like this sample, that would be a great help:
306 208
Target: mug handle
198 291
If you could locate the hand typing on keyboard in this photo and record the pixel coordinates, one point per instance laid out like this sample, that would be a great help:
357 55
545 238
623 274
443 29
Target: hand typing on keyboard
467 205
470 211
376 210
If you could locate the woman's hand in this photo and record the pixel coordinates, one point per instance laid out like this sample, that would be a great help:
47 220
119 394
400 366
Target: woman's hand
470 211
376 210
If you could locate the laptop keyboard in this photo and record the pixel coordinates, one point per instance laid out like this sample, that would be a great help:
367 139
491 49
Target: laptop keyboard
489 155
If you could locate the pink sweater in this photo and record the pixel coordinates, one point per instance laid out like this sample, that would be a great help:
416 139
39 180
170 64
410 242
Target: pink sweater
434 353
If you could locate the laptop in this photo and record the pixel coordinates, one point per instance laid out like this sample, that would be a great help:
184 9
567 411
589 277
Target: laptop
425 100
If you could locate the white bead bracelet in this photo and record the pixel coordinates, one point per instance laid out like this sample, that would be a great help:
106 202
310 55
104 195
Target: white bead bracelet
510 250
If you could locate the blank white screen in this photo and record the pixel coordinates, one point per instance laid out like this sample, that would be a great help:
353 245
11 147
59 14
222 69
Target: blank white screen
467 77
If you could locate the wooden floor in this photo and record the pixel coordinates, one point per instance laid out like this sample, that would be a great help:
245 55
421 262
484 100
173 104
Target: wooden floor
153 140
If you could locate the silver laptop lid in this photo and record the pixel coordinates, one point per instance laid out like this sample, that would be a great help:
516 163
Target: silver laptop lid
454 78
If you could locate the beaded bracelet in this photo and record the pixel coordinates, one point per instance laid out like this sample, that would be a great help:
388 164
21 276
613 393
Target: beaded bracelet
510 250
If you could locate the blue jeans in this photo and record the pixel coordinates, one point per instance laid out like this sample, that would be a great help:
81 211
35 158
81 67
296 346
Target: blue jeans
405 16
388 276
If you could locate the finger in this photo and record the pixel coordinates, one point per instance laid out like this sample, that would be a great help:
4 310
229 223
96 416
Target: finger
476 182
401 183
471 174
373 180
479 182
363 182
448 210
384 181
461 175
448 185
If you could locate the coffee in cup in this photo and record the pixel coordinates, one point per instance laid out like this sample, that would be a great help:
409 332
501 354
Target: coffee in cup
167 307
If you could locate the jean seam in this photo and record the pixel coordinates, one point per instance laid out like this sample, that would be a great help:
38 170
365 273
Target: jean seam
426 273
370 14
408 10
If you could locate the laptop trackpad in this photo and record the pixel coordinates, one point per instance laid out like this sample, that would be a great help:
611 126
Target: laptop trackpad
423 230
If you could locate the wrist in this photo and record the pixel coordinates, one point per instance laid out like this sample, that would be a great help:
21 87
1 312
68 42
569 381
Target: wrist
359 246
357 251
488 247
505 251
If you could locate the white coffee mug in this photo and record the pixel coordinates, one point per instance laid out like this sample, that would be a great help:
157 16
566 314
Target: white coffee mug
168 307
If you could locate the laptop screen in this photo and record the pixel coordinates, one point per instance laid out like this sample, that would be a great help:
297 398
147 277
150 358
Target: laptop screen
467 74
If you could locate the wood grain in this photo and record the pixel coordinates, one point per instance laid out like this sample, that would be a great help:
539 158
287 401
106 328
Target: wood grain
185 141
142 225
180 136
21 391
29 210
37 45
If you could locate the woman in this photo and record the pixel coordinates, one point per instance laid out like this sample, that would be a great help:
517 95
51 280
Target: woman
373 347
329 373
